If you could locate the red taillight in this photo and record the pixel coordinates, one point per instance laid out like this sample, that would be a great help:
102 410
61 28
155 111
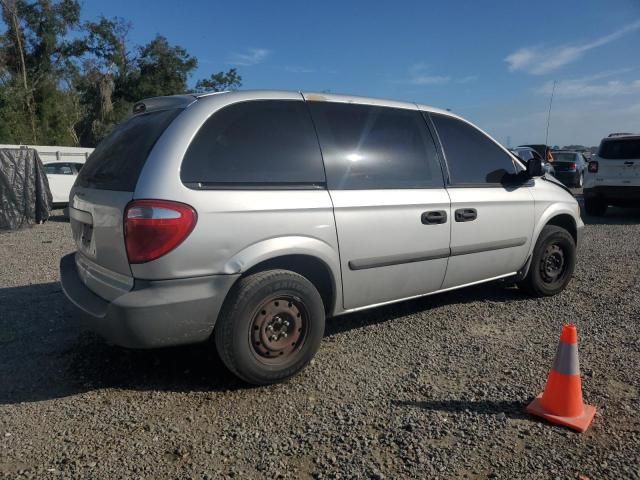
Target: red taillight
152 228
593 166
572 167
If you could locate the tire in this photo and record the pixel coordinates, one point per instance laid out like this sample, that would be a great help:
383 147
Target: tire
595 207
270 326
580 181
552 264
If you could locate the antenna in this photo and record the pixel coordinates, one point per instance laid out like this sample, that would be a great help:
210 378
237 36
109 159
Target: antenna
546 138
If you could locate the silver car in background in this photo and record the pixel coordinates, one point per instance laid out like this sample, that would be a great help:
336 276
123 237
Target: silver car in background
249 217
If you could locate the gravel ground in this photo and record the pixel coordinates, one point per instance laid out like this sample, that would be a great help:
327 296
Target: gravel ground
433 388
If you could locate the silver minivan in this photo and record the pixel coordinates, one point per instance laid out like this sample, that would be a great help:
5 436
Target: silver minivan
247 218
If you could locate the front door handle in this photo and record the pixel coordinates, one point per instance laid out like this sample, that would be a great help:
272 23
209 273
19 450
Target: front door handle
466 214
434 218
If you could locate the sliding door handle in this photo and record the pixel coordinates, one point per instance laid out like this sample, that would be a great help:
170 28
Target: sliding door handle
466 214
434 218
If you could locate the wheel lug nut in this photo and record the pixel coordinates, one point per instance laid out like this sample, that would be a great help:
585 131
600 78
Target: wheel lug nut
284 334
273 338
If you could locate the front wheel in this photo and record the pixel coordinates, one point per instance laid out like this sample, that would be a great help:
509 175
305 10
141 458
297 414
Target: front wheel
552 264
270 327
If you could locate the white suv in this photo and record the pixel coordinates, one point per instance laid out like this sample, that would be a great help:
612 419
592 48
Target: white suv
613 176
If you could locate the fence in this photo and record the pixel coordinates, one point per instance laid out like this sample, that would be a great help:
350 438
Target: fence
52 153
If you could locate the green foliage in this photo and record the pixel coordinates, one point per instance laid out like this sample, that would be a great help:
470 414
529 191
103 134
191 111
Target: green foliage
14 122
161 69
578 148
219 82
60 89
33 62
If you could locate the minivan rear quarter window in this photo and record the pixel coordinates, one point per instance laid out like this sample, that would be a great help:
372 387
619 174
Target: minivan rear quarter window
261 143
620 149
371 147
472 157
117 161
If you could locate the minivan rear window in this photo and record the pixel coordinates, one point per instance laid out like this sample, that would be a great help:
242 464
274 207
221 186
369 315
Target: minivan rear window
620 149
117 161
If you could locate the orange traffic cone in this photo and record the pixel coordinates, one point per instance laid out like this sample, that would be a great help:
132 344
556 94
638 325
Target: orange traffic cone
561 402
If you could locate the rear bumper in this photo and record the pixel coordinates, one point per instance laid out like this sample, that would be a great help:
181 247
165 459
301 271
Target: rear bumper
615 195
568 178
154 313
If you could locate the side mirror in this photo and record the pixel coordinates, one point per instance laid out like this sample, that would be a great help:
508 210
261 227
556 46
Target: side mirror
535 168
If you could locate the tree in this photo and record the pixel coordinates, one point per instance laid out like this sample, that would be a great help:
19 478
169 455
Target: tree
162 69
14 59
103 67
114 79
57 88
578 148
34 58
219 82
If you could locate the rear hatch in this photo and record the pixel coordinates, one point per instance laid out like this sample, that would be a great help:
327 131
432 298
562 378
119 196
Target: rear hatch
100 195
564 161
619 161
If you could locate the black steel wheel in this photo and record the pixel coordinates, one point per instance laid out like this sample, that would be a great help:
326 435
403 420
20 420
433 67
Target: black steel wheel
270 326
552 264
278 329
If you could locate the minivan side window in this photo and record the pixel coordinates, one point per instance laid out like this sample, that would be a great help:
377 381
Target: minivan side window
371 147
256 142
473 158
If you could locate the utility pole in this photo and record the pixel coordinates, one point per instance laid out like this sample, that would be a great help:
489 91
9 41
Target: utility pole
553 90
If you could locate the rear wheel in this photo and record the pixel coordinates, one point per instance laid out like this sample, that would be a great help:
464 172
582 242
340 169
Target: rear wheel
580 180
595 206
552 264
270 327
